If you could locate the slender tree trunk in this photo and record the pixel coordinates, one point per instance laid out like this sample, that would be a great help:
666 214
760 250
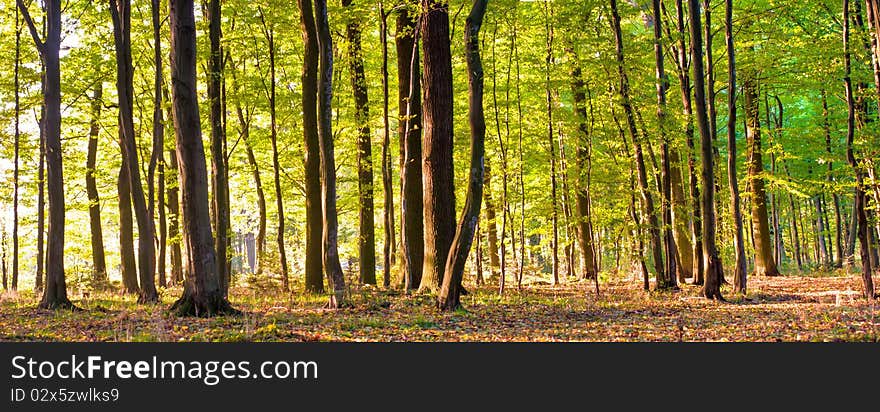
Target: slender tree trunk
367 237
437 166
860 199
409 132
583 158
55 292
647 198
244 122
41 199
668 281
491 220
202 294
120 12
16 150
450 292
158 150
219 183
739 269
99 266
388 250
128 261
551 141
311 147
174 220
332 267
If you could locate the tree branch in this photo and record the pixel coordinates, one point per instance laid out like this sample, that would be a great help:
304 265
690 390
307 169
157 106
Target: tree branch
31 27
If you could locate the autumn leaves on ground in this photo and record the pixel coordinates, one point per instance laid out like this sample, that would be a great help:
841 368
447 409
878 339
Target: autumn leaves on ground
816 307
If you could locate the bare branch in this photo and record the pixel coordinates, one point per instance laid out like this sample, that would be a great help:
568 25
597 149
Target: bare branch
31 27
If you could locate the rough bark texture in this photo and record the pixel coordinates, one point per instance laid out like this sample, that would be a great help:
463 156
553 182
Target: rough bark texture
332 267
450 292
202 294
409 132
367 238
312 150
437 167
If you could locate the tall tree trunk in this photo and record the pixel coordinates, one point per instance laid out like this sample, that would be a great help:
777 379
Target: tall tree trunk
202 294
174 219
128 261
409 132
269 33
765 265
714 271
219 183
583 159
450 292
739 268
99 266
312 150
647 198
55 292
120 11
367 237
861 215
41 197
16 150
332 267
669 270
437 167
491 220
244 122
388 249
158 153
551 142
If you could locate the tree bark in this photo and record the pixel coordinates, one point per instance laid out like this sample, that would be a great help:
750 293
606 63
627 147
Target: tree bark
99 266
16 150
120 11
219 183
157 159
245 125
409 132
312 150
714 271
388 249
437 166
174 219
739 268
367 237
202 294
332 267
491 228
450 292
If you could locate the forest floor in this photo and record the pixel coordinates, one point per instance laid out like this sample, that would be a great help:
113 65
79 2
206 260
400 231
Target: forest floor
813 307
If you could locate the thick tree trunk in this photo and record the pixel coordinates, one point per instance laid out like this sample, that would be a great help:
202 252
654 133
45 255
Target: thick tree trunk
99 266
367 237
450 292
312 150
332 267
120 11
647 198
409 132
437 167
861 215
219 183
202 294
714 271
765 265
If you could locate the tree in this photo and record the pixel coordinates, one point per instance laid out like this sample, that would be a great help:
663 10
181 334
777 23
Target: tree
120 11
450 292
219 181
332 267
367 238
202 293
409 132
312 149
739 271
437 167
713 269
99 266
55 292
388 250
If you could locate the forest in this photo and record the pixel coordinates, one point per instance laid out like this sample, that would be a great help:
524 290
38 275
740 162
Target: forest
439 170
